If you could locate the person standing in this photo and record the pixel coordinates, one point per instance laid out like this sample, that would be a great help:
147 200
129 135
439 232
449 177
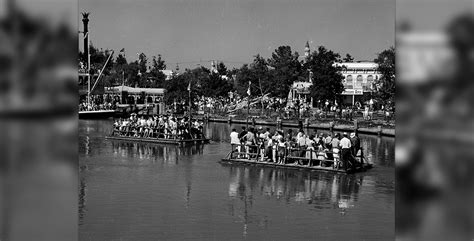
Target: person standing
235 140
328 141
345 145
302 143
249 142
335 149
355 142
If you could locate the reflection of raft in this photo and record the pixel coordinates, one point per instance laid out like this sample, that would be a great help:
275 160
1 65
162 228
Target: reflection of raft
323 164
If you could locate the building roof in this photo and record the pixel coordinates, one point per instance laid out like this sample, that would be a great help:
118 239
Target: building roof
358 65
167 72
131 90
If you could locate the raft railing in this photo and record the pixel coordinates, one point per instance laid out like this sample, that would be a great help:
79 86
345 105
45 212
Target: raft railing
156 133
311 156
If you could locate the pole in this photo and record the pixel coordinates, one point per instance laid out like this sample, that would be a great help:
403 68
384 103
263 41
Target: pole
88 73
189 107
102 70
248 106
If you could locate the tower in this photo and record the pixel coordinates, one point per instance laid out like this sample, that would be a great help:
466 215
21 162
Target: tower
85 21
306 51
213 67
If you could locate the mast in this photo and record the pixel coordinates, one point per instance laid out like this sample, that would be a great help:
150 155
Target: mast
189 107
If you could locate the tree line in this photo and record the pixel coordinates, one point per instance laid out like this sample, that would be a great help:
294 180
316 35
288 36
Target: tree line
272 76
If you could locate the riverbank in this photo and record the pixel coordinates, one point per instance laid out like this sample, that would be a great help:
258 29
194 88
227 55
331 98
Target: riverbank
331 126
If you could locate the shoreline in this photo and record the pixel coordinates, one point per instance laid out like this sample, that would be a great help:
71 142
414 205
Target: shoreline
376 130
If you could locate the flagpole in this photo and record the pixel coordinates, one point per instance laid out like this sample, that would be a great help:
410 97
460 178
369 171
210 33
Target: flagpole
248 106
189 98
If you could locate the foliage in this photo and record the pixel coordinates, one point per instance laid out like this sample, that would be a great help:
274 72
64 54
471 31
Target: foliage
348 58
385 93
327 80
286 70
258 74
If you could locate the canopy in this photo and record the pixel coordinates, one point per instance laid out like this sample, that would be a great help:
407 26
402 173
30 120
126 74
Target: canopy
131 90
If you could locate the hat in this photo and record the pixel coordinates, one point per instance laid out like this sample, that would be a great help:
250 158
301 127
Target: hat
345 134
353 135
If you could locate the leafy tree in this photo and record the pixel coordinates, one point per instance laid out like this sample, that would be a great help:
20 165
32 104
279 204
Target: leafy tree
121 60
243 77
258 74
327 80
348 58
142 62
159 63
221 69
131 74
385 93
176 89
157 77
286 70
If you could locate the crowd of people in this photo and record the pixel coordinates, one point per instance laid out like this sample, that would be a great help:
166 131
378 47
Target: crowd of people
84 106
162 126
299 148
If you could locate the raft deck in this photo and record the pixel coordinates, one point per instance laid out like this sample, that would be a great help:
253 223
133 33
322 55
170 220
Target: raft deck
160 140
297 162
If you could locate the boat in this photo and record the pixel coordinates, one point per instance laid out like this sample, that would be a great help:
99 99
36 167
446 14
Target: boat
160 137
157 140
96 114
291 161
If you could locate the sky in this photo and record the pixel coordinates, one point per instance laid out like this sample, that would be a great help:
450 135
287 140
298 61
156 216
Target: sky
194 32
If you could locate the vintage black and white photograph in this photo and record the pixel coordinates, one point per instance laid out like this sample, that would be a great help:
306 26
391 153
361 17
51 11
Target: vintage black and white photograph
236 120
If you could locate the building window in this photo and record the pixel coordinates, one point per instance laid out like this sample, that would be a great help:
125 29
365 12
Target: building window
370 78
349 78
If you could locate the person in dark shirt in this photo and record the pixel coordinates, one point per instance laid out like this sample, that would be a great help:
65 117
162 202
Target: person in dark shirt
242 135
355 146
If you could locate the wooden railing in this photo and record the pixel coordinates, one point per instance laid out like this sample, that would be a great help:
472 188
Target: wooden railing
286 155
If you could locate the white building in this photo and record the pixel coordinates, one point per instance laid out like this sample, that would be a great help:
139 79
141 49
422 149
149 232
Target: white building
168 72
359 80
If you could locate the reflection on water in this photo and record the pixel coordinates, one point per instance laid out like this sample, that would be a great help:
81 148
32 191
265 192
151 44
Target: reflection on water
315 189
146 191
168 154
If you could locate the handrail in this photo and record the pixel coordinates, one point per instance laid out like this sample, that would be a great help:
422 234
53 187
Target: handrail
317 154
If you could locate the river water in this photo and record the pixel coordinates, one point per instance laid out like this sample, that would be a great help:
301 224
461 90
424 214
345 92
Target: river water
136 191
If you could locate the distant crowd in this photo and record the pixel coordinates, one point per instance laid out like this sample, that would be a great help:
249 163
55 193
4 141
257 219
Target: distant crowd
83 106
163 126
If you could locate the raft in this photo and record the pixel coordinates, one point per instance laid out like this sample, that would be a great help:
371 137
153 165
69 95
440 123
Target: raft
160 140
325 165
173 140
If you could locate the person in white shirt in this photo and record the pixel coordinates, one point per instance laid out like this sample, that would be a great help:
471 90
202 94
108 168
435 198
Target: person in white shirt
234 140
345 145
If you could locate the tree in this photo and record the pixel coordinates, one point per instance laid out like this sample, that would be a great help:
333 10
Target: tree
327 80
156 76
158 63
121 60
176 89
286 70
348 58
385 93
221 69
258 74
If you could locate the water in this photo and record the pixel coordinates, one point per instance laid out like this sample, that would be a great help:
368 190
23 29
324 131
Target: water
135 191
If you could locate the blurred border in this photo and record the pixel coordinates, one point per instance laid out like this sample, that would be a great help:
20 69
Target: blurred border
38 120
435 131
